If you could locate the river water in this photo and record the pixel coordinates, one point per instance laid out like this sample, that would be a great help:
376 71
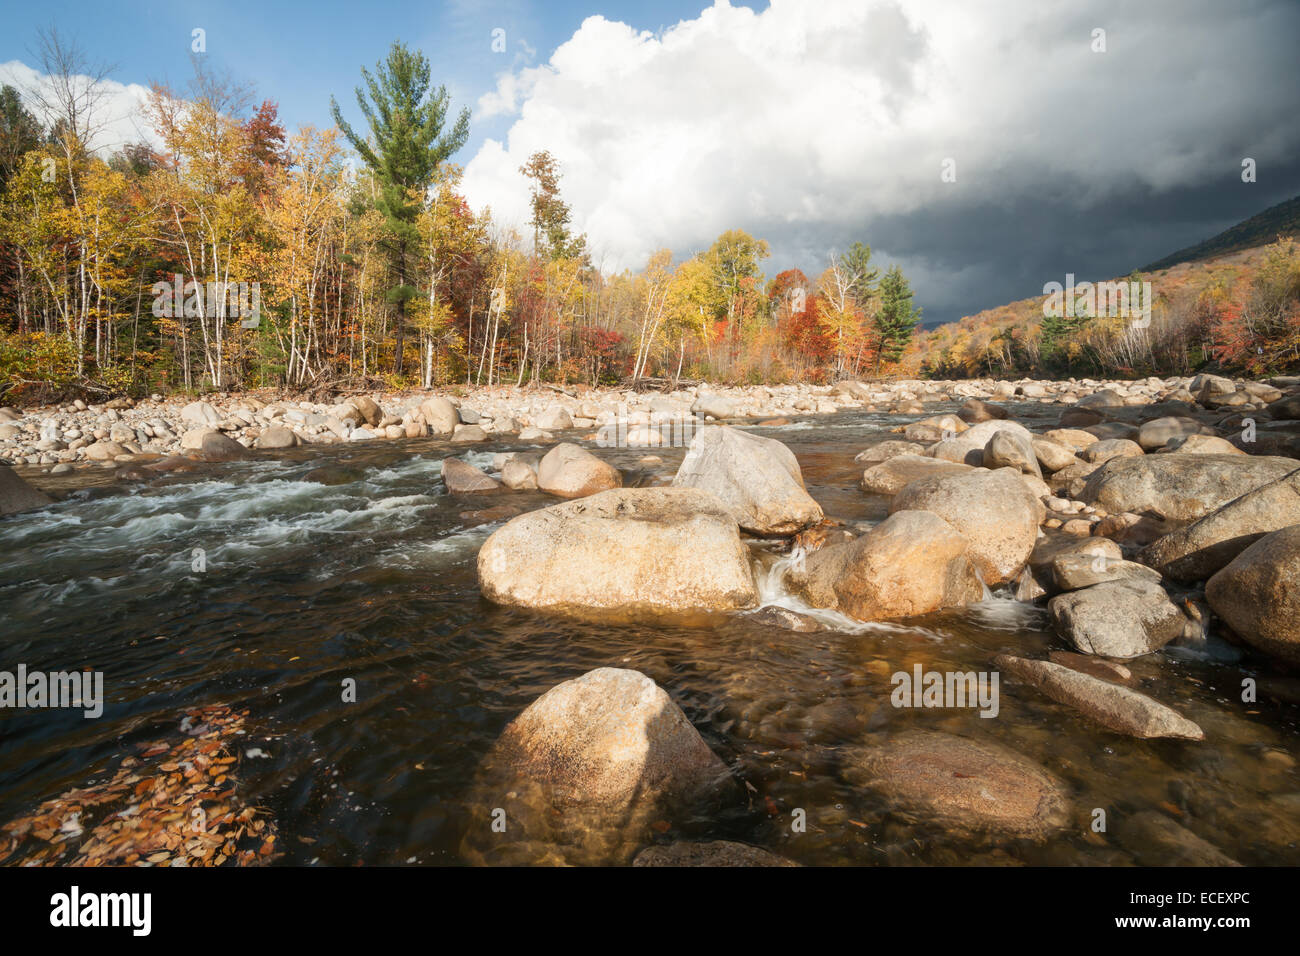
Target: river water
303 585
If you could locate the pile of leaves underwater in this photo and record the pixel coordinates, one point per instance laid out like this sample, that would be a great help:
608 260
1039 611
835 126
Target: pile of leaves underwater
173 804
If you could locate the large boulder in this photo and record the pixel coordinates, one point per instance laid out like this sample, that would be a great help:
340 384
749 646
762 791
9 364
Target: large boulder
1161 431
1124 618
594 762
957 785
993 510
1258 594
217 446
1201 445
108 450
1073 572
200 415
368 408
1198 550
1180 487
1115 707
440 415
713 405
554 419
1076 439
1052 455
885 450
757 479
570 471
1284 409
1100 452
1103 398
276 436
851 389
912 563
468 433
645 551
520 472
1075 417
1007 449
17 495
968 447
894 474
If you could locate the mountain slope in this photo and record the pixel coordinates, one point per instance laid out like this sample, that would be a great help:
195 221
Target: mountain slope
1260 229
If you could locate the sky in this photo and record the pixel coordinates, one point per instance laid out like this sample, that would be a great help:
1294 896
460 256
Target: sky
985 147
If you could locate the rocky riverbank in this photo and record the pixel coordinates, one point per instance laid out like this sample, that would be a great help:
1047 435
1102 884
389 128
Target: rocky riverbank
122 430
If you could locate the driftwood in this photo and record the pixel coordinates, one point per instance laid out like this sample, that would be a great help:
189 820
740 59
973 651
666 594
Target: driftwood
659 384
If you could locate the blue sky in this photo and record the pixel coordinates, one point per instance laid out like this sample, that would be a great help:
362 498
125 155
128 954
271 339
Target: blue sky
809 123
299 53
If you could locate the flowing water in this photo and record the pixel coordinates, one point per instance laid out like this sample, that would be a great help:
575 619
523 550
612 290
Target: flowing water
300 585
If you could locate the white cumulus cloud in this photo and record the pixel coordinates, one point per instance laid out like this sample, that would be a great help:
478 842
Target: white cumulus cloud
810 121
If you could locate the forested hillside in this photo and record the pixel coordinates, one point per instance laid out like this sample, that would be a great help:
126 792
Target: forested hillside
1236 312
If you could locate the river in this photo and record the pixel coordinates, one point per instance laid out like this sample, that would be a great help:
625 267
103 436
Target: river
300 585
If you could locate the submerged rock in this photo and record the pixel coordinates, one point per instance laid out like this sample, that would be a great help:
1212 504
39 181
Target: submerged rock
786 619
711 853
757 479
636 550
333 475
1156 840
1115 707
958 785
1112 671
975 411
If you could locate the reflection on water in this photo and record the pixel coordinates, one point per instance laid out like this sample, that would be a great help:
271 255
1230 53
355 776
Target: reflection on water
255 587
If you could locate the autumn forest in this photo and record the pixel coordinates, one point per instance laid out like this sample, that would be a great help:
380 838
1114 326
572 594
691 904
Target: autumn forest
367 266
